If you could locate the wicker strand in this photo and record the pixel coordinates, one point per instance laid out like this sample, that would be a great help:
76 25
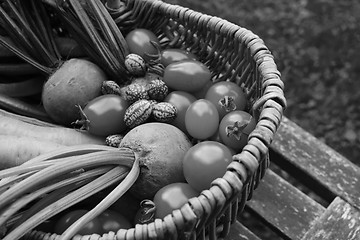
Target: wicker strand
204 217
226 222
170 227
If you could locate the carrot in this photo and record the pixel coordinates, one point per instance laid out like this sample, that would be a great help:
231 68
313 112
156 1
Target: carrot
61 135
27 119
15 150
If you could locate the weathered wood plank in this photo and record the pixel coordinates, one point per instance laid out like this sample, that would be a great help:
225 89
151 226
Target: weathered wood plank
302 153
339 221
240 232
285 208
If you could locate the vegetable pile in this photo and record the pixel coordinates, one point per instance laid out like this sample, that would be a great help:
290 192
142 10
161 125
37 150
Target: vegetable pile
115 128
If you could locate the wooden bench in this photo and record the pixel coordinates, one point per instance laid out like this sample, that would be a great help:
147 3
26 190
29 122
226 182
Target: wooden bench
310 192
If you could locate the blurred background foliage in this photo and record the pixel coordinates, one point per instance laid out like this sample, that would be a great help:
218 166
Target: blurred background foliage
316 45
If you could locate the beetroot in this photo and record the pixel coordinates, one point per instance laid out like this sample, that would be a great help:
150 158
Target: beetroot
75 83
160 148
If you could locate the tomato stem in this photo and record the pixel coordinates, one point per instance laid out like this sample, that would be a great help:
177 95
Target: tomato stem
84 121
147 212
236 129
227 102
153 61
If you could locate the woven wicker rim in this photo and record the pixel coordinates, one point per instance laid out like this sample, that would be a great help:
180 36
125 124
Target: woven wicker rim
214 210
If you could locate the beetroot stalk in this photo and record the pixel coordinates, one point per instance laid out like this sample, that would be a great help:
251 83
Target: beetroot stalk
112 197
109 178
99 170
57 190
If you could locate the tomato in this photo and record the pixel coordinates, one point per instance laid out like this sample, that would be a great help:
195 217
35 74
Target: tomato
171 55
202 92
201 119
235 128
107 221
215 137
172 197
181 100
204 162
227 96
104 115
113 221
139 41
187 75
69 218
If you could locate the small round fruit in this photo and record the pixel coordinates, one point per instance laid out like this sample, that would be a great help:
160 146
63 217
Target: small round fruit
138 113
94 226
113 221
171 55
139 41
135 64
202 92
104 115
235 128
227 97
172 197
157 90
187 75
181 100
204 162
164 112
201 119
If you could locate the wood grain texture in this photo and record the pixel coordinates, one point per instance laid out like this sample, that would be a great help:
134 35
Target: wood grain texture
240 232
341 221
284 207
303 154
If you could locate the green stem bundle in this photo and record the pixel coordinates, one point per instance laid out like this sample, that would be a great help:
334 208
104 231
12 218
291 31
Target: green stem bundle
60 180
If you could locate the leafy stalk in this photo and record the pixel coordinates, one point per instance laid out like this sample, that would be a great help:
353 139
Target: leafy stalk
51 3
51 192
93 27
27 25
112 197
68 164
100 183
41 25
60 180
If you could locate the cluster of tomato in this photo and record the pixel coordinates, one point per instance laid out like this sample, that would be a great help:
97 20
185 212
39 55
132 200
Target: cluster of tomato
209 112
212 113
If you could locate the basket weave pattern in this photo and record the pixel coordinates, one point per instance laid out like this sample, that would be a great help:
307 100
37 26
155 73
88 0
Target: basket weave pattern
232 53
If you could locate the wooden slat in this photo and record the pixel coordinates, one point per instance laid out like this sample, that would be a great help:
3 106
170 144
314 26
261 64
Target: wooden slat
240 232
340 221
303 154
284 207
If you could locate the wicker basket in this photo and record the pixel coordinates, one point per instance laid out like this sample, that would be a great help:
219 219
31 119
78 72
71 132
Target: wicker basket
234 54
